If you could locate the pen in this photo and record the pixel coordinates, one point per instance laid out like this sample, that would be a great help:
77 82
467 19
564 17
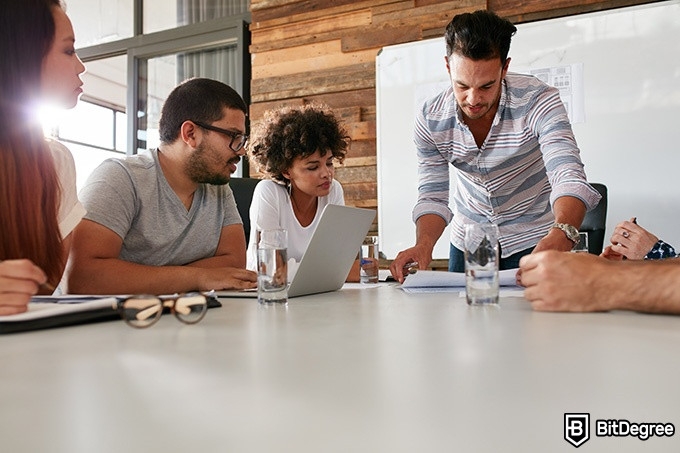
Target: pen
411 267
634 220
47 286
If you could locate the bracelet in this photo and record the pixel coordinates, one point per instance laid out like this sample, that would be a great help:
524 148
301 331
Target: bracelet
660 251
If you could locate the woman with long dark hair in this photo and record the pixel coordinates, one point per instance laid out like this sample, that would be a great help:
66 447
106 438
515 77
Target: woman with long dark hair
38 203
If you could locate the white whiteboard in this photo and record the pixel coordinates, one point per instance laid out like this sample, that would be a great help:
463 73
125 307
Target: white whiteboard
629 140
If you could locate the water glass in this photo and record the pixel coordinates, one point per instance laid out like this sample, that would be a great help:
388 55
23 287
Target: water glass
481 264
272 266
369 260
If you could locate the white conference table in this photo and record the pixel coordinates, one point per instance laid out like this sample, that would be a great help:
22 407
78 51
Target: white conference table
363 369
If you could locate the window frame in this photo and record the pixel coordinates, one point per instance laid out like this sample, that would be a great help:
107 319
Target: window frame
114 110
215 33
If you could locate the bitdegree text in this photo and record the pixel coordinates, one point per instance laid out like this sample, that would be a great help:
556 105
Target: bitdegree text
624 428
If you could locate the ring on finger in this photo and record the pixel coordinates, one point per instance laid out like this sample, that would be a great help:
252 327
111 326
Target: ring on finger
625 234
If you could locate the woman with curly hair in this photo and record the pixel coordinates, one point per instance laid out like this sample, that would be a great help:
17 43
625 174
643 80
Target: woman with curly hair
38 203
295 148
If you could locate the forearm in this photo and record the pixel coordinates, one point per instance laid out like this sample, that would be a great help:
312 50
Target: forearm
652 287
114 276
429 229
231 250
569 210
227 260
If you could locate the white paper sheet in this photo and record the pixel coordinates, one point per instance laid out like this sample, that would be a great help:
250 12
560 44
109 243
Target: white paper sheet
442 281
47 306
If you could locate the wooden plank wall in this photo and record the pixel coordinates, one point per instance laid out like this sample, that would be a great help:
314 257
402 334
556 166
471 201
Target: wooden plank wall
324 51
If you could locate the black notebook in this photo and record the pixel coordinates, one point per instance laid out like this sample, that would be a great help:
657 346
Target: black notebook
46 312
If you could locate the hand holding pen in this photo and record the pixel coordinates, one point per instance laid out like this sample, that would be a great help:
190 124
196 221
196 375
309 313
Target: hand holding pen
410 268
407 269
19 281
629 241
408 262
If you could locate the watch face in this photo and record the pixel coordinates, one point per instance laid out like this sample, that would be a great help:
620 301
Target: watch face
573 233
570 230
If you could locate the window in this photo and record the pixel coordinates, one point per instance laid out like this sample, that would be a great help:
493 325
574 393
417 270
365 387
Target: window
157 15
100 21
133 70
165 72
92 133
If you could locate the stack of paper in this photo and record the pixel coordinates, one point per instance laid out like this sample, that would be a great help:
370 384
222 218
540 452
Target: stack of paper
440 281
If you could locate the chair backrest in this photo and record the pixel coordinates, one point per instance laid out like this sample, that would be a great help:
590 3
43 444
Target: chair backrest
595 221
243 194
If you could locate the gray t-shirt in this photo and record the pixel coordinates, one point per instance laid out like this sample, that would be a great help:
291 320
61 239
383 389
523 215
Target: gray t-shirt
132 198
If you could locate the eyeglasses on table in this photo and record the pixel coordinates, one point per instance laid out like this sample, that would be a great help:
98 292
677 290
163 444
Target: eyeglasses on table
145 310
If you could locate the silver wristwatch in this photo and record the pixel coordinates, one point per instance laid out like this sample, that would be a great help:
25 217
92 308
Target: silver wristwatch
570 230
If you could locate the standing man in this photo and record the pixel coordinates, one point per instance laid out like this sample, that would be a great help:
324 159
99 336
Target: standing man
165 221
510 140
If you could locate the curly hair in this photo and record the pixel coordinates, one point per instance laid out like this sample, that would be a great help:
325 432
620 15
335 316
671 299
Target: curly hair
295 132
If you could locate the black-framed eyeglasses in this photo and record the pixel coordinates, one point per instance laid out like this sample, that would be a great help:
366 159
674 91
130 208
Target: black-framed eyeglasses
145 310
238 141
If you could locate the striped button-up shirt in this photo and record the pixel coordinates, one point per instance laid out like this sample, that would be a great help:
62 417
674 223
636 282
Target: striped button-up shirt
528 160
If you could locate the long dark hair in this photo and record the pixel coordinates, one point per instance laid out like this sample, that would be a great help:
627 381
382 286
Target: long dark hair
29 186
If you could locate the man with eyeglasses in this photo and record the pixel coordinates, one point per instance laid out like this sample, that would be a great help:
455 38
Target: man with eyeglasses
165 221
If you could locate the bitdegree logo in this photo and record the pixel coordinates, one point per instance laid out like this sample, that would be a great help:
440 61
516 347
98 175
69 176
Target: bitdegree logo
625 428
577 428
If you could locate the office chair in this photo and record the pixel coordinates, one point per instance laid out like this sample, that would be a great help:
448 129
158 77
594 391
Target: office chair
243 194
595 221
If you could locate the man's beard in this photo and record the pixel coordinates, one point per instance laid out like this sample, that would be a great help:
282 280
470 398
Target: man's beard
197 169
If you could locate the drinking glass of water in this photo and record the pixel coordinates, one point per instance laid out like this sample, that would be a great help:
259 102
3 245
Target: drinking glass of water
272 266
369 260
481 264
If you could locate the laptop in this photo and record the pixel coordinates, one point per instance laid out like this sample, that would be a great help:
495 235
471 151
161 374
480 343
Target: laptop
330 254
